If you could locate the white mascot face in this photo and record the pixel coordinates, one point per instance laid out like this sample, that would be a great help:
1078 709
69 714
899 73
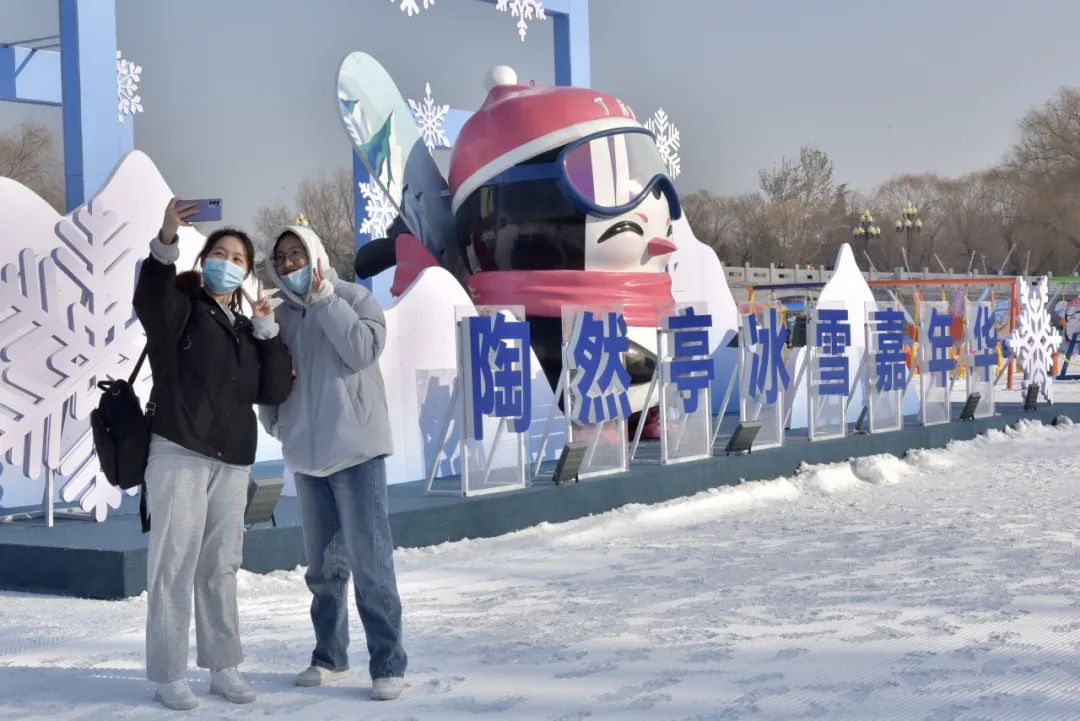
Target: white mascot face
615 169
639 241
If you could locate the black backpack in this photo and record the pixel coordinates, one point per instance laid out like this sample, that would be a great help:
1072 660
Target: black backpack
122 436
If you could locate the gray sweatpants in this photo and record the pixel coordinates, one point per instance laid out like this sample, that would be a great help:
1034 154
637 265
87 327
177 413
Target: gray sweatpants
196 541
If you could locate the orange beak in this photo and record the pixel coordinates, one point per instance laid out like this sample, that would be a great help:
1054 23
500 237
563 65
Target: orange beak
660 246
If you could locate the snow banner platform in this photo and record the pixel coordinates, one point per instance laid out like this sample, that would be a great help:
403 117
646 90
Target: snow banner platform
108 560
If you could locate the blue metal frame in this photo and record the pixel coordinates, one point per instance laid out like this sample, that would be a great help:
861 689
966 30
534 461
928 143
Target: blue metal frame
94 139
572 67
81 79
29 75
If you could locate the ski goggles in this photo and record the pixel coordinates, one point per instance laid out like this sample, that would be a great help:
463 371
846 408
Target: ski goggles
604 174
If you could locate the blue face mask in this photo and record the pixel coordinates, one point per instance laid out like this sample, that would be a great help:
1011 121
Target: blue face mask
298 281
221 276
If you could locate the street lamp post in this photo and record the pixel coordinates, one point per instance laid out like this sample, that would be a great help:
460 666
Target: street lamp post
909 222
866 230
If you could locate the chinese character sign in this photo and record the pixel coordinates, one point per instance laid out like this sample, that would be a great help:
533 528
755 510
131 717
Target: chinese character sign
829 371
832 336
598 379
936 362
768 374
983 341
940 362
887 354
500 377
982 355
888 377
691 366
686 372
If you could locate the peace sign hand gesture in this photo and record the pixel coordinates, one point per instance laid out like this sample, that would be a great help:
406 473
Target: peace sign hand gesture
261 305
321 288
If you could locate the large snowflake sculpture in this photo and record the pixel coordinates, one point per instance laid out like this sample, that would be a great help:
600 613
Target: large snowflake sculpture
667 140
1035 339
410 8
430 117
68 324
523 10
127 87
379 211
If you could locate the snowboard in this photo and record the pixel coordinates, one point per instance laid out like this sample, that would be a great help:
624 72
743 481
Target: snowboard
385 135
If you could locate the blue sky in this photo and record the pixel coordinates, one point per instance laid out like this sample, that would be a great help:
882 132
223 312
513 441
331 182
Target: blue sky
239 93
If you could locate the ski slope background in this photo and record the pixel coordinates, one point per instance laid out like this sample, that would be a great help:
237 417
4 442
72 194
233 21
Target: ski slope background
943 586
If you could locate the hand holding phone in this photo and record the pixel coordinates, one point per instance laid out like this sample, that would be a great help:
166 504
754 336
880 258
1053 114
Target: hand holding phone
206 209
177 213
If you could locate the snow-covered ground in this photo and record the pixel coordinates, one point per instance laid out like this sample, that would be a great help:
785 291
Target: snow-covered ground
945 586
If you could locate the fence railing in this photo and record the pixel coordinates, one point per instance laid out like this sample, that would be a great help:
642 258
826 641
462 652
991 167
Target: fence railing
772 275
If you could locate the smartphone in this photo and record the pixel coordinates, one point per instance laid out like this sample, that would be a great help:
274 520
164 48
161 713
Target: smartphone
206 209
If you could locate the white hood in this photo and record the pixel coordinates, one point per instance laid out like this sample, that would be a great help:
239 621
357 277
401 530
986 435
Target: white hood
316 253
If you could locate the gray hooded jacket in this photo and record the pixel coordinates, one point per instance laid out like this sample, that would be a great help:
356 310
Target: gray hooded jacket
336 415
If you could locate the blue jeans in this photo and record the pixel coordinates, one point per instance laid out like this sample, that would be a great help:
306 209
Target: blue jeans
346 528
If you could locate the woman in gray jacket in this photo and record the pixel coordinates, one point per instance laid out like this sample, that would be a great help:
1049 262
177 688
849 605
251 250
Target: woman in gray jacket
335 432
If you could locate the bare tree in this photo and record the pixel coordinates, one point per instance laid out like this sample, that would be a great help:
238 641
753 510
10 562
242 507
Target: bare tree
807 180
328 204
711 219
1003 195
28 155
1049 144
1044 166
924 192
752 241
805 207
269 220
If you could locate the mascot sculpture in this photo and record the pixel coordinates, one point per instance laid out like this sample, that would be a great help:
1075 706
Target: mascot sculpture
559 197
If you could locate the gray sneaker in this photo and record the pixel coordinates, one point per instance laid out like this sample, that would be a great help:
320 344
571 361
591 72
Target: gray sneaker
176 695
388 688
319 676
228 683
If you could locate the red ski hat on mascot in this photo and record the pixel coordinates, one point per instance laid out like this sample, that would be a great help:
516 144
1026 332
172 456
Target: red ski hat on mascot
519 122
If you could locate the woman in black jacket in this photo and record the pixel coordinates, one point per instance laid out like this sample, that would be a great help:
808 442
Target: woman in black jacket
211 364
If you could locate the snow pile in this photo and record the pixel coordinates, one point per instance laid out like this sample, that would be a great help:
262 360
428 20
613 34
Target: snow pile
939 586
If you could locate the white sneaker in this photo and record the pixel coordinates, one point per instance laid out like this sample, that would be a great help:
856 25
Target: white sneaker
228 683
388 688
319 676
176 695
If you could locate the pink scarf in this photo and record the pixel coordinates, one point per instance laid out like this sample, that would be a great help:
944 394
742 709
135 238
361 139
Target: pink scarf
545 292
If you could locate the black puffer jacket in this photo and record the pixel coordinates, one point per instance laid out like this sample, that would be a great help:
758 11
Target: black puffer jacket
208 373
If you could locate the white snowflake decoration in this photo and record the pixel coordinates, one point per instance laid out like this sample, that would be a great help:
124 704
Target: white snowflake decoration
127 87
72 325
523 10
410 8
430 117
1035 339
379 211
86 483
667 140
